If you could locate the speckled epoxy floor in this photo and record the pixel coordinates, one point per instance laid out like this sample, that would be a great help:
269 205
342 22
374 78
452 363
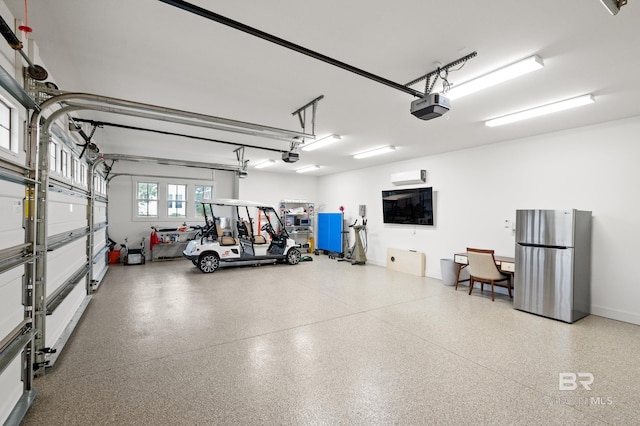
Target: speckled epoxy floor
326 343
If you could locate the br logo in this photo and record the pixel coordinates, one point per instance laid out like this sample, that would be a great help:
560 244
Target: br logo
570 381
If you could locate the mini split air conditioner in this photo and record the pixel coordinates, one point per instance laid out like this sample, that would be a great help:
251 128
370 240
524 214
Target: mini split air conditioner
409 177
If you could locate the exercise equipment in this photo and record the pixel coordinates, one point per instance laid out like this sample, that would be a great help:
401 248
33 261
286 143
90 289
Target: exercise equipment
359 249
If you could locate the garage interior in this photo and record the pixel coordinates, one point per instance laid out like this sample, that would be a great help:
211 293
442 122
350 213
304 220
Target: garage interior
118 118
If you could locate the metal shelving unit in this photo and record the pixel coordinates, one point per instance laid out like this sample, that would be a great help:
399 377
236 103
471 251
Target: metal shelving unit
298 218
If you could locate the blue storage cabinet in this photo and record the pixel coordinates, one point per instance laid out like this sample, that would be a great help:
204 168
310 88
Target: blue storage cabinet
330 232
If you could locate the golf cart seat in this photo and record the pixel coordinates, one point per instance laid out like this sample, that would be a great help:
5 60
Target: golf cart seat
225 240
257 239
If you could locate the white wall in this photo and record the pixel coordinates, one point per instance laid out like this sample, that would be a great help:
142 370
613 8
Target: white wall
272 187
593 168
257 186
122 189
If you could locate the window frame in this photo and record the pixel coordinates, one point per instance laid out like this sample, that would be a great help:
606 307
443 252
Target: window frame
75 169
65 163
54 151
8 128
83 173
14 131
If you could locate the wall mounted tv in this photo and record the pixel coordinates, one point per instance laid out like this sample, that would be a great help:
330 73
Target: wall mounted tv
408 206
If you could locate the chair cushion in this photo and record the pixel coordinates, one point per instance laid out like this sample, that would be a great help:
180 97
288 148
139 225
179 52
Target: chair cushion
259 239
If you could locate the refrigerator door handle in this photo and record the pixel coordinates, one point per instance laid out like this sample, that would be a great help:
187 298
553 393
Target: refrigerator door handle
538 245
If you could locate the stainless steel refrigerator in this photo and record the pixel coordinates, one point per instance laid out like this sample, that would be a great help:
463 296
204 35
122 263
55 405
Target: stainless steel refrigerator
553 263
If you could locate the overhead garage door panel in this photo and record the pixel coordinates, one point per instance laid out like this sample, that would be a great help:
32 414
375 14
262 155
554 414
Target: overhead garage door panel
60 318
98 268
99 240
64 262
11 300
99 212
12 208
11 387
65 213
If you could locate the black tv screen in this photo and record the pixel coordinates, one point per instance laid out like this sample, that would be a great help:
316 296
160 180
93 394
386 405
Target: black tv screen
408 206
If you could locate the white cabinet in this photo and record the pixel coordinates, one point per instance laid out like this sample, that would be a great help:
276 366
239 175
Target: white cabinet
298 219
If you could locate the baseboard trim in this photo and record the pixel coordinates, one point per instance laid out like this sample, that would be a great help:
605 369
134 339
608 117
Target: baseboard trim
615 314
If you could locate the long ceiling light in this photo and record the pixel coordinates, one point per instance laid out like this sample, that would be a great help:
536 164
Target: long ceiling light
265 163
501 75
308 169
377 151
542 110
321 143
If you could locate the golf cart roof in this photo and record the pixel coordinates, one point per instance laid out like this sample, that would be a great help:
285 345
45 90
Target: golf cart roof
236 203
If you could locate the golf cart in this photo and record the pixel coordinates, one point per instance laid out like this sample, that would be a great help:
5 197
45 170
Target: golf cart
251 233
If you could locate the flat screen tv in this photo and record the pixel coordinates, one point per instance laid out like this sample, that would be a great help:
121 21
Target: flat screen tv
408 206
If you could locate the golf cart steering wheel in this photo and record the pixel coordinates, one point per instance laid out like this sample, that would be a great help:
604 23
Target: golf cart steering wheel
267 227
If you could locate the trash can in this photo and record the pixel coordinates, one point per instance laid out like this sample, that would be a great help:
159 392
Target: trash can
449 271
114 257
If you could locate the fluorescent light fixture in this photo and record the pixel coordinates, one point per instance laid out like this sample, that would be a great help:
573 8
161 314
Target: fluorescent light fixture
542 110
377 151
613 6
514 70
265 163
321 143
308 169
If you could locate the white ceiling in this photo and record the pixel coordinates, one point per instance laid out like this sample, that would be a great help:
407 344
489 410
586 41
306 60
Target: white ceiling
148 51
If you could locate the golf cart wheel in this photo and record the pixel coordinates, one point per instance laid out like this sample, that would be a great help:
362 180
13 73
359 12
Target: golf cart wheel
208 262
293 256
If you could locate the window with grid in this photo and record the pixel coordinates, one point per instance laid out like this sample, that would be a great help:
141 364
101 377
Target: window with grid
147 199
176 200
203 192
5 127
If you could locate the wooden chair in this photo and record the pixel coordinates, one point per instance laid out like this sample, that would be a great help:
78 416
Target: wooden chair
483 268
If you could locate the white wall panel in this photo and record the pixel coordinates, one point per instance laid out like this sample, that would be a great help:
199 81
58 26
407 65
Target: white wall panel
11 387
58 321
11 206
63 262
11 308
65 213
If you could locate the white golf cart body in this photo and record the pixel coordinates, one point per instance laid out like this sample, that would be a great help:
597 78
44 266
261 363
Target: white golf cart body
255 235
